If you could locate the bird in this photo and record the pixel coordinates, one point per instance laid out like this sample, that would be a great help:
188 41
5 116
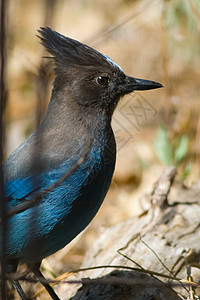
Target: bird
86 90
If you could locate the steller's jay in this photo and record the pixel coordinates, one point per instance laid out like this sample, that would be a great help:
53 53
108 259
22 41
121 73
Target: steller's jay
86 90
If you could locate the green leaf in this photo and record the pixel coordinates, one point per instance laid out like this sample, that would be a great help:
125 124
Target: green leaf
181 150
162 147
186 171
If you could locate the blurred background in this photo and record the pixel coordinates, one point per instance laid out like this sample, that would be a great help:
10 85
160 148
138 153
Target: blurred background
156 40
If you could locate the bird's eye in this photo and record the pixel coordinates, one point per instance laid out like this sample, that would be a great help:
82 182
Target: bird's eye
103 80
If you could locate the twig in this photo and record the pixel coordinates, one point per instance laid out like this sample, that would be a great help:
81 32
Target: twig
109 30
104 280
189 279
42 76
170 271
142 267
3 200
22 277
165 67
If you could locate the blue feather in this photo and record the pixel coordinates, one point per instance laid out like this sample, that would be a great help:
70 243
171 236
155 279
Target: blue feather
62 213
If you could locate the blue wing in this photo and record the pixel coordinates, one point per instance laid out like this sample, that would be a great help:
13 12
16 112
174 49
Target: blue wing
61 214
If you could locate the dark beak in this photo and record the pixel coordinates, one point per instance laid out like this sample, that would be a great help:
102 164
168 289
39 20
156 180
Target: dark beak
131 84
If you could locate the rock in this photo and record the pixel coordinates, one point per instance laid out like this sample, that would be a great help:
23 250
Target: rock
125 285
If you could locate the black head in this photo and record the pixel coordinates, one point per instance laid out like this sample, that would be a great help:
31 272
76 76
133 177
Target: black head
91 78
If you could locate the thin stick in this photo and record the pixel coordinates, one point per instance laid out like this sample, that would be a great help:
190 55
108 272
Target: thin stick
22 277
3 201
103 280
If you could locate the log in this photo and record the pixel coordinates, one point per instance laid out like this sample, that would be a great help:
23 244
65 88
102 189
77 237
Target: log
165 240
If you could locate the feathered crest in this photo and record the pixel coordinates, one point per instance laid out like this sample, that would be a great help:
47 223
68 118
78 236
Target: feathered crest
65 49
